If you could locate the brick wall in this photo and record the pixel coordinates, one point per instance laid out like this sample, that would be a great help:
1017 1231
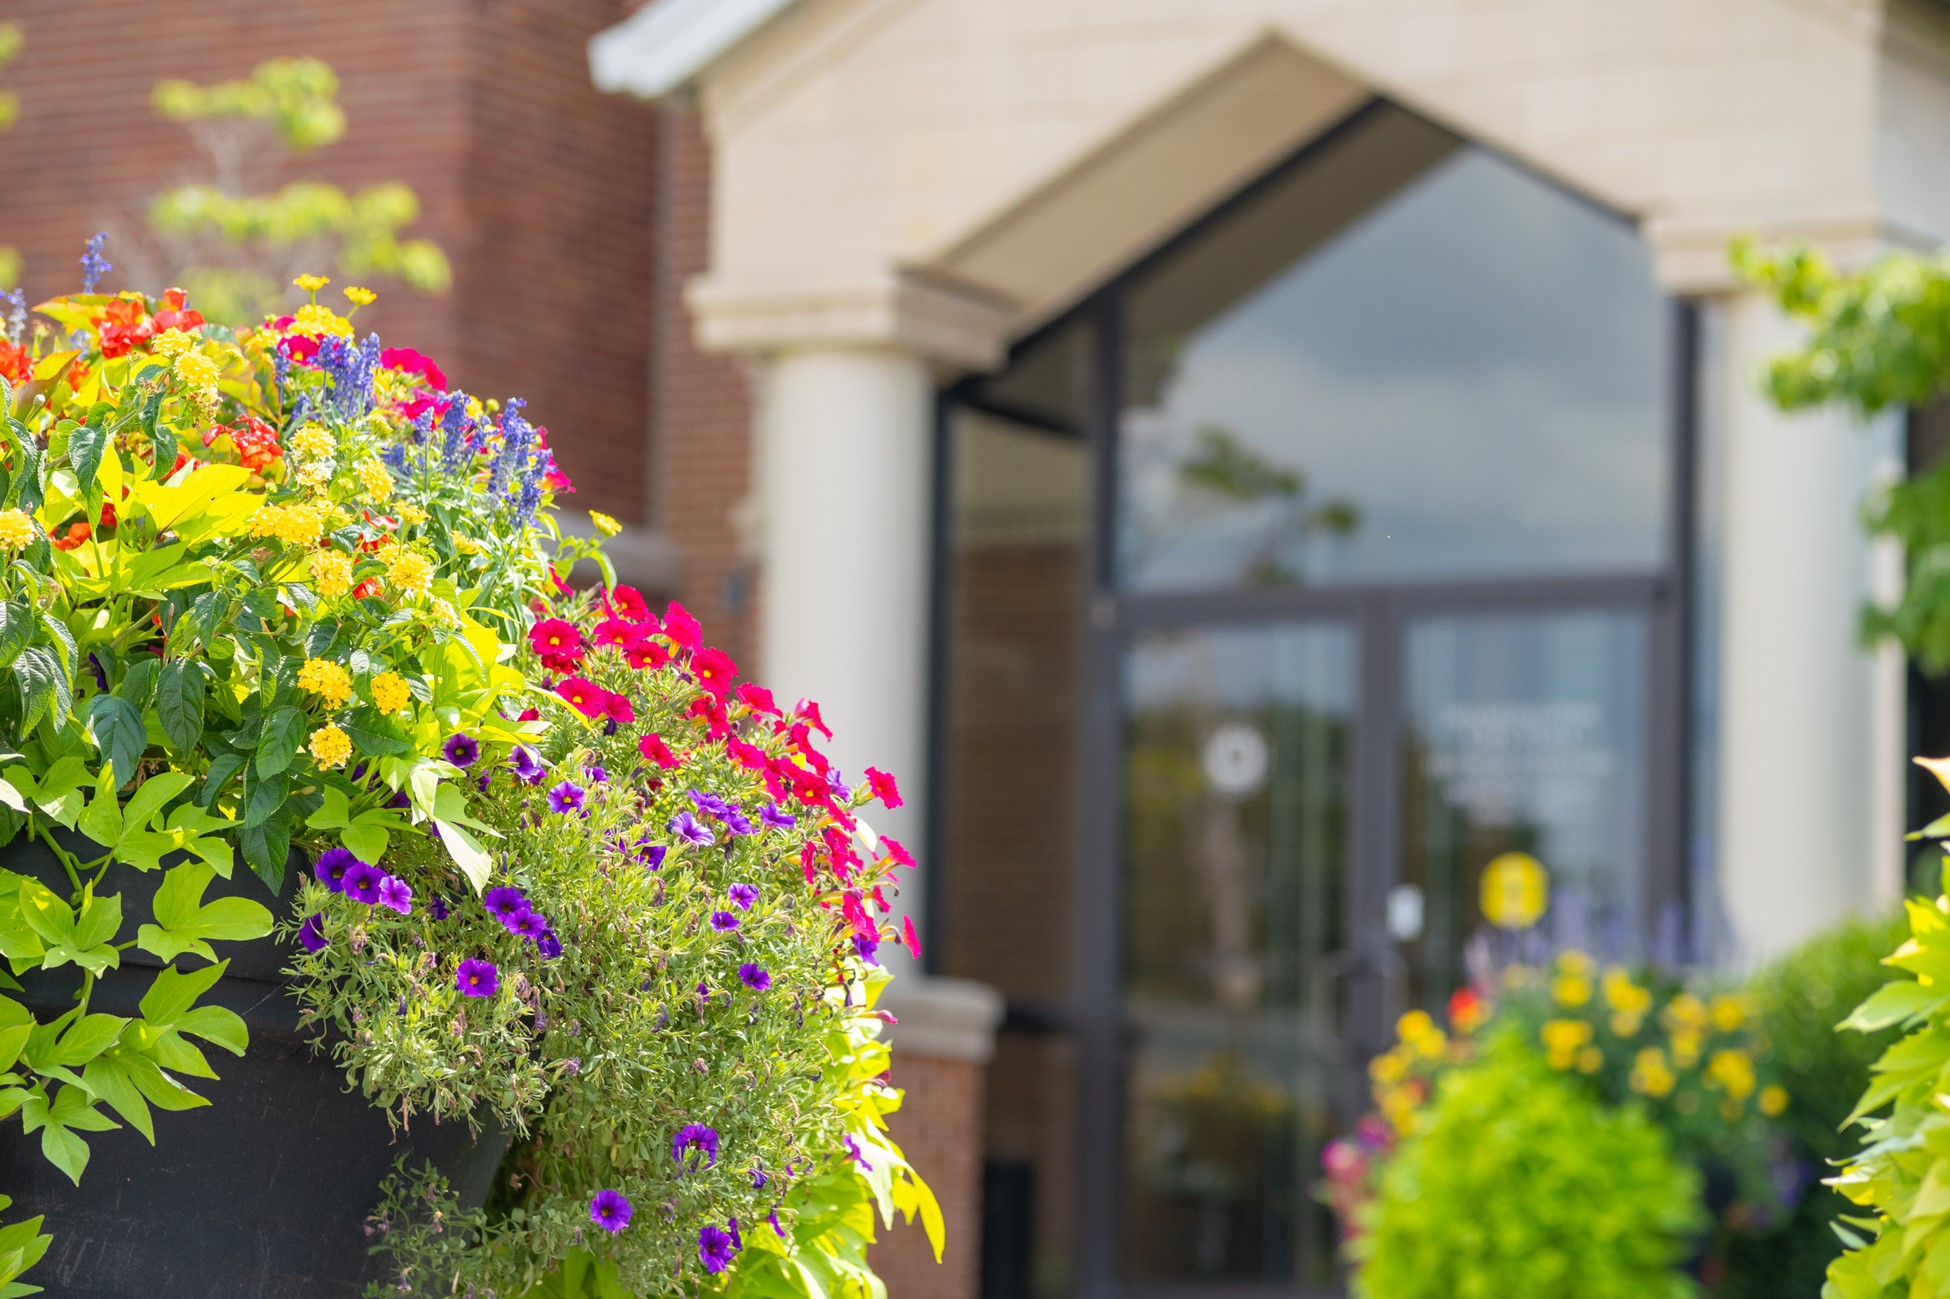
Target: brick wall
541 190
936 1128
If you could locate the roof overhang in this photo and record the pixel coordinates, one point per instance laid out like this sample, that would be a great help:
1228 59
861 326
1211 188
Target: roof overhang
667 43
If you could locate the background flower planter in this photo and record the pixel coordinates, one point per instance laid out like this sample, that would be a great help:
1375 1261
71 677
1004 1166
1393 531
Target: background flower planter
262 1194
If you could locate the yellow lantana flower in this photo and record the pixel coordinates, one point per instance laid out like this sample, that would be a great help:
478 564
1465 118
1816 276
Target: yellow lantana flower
605 524
390 693
312 442
296 525
172 342
327 680
1571 990
331 572
314 319
16 530
406 571
316 473
1773 1101
1729 1013
312 283
196 371
1651 1075
374 478
1732 1070
330 746
1564 1040
359 296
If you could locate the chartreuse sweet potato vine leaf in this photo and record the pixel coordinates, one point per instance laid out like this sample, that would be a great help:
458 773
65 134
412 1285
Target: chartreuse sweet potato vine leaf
184 922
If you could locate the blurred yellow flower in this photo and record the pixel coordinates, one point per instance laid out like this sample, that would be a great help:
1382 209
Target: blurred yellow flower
1651 1076
314 319
1563 1040
1773 1101
16 530
1729 1013
605 524
1590 1060
312 283
1571 990
172 342
359 296
1732 1071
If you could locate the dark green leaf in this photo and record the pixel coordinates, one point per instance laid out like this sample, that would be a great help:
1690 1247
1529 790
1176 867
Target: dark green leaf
179 704
284 732
266 846
263 798
17 626
139 682
223 769
85 447
119 733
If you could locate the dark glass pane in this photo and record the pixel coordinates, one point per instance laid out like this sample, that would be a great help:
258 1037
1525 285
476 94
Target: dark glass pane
1404 359
1235 814
1524 734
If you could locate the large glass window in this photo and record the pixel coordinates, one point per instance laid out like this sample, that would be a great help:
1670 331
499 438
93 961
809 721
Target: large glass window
1322 559
1407 359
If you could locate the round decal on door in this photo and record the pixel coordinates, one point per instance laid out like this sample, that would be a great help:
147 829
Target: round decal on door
1236 759
1516 891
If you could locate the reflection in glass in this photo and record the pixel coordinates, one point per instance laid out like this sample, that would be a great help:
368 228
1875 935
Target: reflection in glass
1525 733
1235 814
1405 358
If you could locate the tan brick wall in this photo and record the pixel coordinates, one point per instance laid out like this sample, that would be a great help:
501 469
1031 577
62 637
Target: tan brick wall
938 1128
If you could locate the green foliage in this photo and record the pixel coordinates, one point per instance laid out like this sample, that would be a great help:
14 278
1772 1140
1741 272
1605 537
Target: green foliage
1800 998
1877 338
1522 1185
236 246
299 97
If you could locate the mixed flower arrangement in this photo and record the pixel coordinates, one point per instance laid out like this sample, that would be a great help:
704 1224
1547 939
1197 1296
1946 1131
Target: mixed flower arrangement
281 594
1696 1064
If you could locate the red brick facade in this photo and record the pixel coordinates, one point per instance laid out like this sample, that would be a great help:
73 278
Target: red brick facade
541 190
935 1128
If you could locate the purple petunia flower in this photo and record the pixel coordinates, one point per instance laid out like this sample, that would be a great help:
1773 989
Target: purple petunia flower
596 774
703 993
723 921
461 750
756 977
837 783
332 865
759 1179
477 978
438 907
743 895
710 804
774 816
483 781
565 797
714 1249
694 1137
685 826
527 765
396 894
548 945
361 882
651 854
530 925
736 823
865 948
311 934
853 1150
610 1211
506 905
737 1240
773 1218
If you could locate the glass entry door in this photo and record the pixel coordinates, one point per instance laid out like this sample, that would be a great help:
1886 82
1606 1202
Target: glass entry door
1236 812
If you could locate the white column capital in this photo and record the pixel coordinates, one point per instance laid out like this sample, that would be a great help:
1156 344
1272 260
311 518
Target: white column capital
926 315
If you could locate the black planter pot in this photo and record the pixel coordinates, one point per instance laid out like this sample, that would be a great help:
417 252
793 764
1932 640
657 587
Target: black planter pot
264 1193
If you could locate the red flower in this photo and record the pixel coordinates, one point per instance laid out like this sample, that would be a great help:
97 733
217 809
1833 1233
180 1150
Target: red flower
612 631
748 756
714 671
757 698
176 313
629 605
301 348
711 711
407 361
16 366
899 855
884 788
558 639
586 697
124 325
682 628
807 787
646 652
78 532
908 937
107 519
619 709
530 715
366 588
809 861
810 711
256 442
653 748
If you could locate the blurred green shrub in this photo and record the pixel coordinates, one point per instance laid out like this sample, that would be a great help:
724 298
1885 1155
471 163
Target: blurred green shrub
1521 1185
1800 999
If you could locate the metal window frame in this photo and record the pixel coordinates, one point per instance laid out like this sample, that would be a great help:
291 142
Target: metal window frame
1378 614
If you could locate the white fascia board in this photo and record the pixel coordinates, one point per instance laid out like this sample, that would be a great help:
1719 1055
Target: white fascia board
666 43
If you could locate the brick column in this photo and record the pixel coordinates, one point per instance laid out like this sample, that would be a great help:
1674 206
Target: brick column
942 1045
